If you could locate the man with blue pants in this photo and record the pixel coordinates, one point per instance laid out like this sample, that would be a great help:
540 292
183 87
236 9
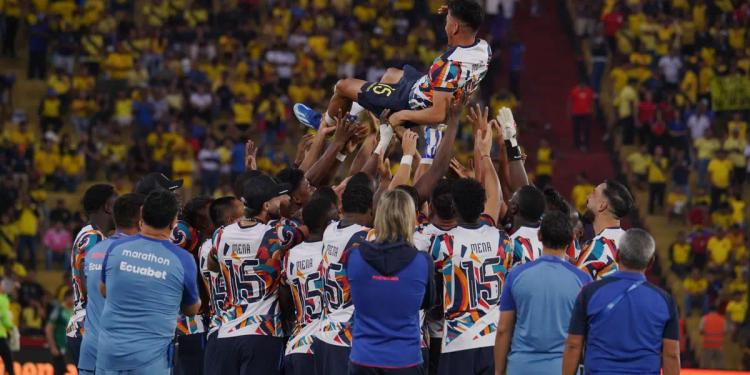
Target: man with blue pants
536 304
127 214
146 280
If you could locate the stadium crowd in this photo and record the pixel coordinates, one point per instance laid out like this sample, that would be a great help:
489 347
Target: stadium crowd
664 63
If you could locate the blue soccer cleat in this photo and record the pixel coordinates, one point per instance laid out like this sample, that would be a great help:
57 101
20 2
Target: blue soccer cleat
307 116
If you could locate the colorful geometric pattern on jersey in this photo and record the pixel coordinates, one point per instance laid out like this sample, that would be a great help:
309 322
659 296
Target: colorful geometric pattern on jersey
249 254
422 239
459 71
188 238
302 274
85 240
472 261
598 256
573 251
526 246
336 324
217 289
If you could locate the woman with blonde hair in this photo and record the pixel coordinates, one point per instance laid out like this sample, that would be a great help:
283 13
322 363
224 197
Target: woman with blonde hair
390 281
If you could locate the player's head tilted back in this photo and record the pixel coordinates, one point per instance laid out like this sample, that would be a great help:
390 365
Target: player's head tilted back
611 199
300 190
264 197
469 197
196 214
527 204
127 211
318 213
463 20
356 203
556 231
225 210
160 210
555 202
441 201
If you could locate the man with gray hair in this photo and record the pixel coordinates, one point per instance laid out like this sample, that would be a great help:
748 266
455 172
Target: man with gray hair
627 324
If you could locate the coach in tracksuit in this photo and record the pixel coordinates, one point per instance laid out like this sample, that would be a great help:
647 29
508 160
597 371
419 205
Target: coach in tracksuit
390 281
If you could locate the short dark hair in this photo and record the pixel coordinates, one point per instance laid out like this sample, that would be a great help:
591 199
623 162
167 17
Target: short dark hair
413 193
531 203
239 184
357 198
96 197
218 210
468 12
327 193
441 200
360 178
555 202
619 198
127 210
469 197
556 230
291 176
314 214
191 210
159 209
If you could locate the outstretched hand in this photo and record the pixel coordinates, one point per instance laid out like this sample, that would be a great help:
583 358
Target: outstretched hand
409 142
461 170
478 117
250 155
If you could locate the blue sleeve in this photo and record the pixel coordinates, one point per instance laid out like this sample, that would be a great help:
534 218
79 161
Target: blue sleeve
579 317
190 278
507 303
672 327
104 265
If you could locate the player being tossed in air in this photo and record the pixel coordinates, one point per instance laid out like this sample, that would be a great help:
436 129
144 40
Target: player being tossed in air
411 96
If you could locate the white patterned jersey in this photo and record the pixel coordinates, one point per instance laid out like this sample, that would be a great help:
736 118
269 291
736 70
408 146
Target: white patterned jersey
85 240
598 256
302 274
526 246
249 254
458 71
472 262
217 289
336 324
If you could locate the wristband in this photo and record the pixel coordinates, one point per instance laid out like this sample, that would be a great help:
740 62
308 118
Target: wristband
513 151
425 161
386 133
341 157
407 159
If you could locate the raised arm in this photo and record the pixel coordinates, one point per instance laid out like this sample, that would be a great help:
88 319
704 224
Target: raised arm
516 168
316 147
441 163
409 148
486 173
319 173
429 116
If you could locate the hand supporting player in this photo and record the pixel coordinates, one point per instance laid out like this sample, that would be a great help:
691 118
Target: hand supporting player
250 155
409 149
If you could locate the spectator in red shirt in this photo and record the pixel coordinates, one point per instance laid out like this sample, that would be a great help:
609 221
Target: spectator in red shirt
581 102
646 116
612 22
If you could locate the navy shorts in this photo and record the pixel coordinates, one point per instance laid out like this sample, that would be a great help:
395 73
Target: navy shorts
331 359
190 354
73 348
250 354
377 97
355 369
480 361
299 364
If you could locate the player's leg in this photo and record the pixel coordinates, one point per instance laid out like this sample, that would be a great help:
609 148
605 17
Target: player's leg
74 349
262 355
224 357
392 76
299 364
344 93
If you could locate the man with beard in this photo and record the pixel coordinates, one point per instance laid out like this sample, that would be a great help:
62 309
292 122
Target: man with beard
249 255
605 207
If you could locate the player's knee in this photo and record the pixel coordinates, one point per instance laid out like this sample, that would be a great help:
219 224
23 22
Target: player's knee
391 75
343 88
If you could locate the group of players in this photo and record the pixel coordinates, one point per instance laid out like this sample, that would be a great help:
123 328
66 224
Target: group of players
272 260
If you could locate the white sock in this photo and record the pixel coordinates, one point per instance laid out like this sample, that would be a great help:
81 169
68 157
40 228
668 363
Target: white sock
356 109
330 121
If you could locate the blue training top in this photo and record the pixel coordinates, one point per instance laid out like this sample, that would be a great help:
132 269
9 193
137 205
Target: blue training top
542 293
146 282
626 338
389 284
92 269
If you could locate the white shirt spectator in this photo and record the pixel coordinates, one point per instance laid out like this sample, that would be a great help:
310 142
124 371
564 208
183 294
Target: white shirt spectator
698 125
200 101
284 61
209 159
670 66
